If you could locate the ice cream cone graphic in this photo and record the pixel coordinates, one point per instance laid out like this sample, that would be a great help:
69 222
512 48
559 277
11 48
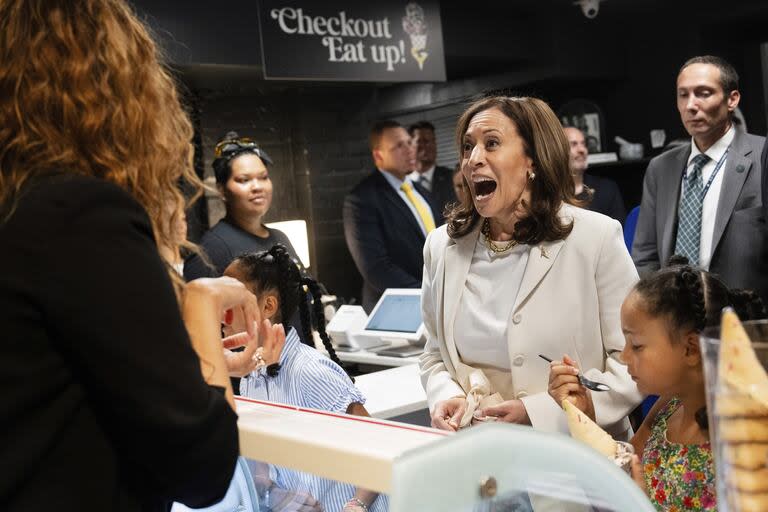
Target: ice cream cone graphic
415 26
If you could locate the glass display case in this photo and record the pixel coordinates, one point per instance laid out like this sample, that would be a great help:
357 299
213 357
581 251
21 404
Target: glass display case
299 459
738 428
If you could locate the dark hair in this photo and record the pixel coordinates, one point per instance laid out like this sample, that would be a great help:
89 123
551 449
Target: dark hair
222 165
421 125
275 269
377 130
544 142
690 298
729 78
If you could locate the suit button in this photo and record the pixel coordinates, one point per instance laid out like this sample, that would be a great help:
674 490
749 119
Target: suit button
518 360
521 394
517 318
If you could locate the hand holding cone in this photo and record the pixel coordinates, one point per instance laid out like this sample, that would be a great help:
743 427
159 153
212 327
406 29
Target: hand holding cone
589 432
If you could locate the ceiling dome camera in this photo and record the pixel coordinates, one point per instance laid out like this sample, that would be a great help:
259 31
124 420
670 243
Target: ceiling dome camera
590 8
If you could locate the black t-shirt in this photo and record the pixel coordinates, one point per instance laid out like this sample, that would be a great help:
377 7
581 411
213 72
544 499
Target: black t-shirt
226 241
222 244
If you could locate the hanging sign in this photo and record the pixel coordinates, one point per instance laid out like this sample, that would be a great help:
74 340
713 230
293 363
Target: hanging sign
352 41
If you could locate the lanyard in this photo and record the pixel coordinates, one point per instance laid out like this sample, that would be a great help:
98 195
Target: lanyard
714 173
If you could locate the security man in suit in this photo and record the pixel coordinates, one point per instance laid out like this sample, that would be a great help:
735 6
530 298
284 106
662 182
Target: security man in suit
703 200
386 220
432 181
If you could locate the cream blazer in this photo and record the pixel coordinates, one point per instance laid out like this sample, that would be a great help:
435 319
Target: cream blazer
569 302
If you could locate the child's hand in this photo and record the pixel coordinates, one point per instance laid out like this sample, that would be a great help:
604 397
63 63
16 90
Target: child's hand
271 341
299 501
637 473
564 385
261 350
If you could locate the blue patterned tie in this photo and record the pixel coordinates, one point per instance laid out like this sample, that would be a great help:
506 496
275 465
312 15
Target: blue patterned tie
689 218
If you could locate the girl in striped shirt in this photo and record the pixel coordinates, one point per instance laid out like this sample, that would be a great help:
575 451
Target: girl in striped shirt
304 377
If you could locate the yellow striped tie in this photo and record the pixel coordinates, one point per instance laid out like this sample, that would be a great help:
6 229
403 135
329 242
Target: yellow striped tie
426 218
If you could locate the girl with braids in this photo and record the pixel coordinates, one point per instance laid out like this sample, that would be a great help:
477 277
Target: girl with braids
305 378
661 318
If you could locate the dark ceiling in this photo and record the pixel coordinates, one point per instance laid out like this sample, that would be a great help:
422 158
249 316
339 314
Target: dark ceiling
479 38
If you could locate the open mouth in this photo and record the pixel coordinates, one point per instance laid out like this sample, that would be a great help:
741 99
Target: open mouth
484 187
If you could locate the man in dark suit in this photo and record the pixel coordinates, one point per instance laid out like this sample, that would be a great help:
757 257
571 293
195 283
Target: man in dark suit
703 200
432 181
386 220
602 194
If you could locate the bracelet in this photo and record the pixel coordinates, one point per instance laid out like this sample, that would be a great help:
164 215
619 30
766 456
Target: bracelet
266 506
356 502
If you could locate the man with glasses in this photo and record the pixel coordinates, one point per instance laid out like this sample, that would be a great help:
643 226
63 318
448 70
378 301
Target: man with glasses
386 220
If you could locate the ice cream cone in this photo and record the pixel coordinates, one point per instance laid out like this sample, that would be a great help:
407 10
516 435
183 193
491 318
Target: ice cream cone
747 455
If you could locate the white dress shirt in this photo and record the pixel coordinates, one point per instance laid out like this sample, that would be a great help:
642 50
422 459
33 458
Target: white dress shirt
423 178
482 317
709 207
395 184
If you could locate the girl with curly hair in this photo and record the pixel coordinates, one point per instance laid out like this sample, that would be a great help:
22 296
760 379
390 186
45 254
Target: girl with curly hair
661 318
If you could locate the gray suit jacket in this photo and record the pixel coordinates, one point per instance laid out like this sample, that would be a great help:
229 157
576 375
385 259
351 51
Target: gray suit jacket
740 243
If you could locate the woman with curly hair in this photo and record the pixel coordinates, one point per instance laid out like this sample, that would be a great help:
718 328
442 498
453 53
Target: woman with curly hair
116 393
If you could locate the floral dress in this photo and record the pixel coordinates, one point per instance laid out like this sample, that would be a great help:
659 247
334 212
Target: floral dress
679 477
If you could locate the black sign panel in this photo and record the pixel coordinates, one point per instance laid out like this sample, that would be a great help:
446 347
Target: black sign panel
381 41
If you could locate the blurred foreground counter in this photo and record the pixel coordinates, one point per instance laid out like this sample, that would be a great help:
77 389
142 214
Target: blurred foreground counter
496 467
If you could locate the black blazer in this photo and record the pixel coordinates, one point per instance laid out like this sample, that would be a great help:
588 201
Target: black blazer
442 193
384 238
104 406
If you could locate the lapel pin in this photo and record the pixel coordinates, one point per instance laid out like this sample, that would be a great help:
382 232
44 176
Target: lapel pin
740 168
543 252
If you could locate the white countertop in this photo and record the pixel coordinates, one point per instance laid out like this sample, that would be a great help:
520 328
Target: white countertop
306 440
366 357
392 392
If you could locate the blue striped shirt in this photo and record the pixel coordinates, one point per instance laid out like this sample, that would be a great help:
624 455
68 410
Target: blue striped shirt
308 379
